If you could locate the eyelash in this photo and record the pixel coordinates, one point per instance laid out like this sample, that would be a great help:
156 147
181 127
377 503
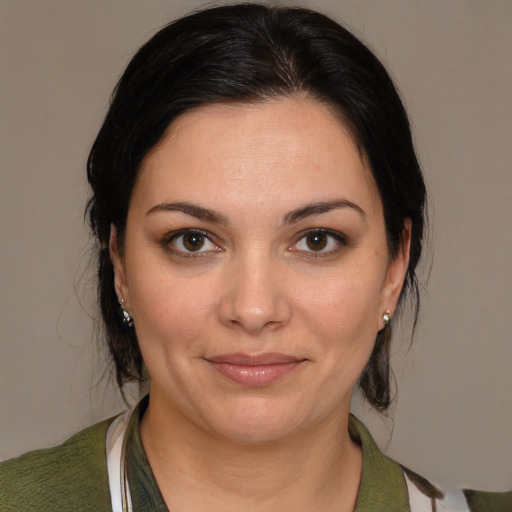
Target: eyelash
340 240
167 241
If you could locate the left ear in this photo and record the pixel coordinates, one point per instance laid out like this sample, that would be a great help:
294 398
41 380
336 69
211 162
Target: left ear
120 283
396 273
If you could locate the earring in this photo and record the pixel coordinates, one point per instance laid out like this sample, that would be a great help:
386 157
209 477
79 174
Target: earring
126 319
386 317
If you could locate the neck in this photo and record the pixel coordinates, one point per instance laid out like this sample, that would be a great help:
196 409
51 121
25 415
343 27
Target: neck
318 469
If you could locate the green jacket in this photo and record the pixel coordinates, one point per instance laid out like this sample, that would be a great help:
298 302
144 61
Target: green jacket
73 477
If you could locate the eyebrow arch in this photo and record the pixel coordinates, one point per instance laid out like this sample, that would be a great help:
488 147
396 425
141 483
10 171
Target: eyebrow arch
322 207
190 209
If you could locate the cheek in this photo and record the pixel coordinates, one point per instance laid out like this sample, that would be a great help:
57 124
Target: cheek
170 311
347 300
342 314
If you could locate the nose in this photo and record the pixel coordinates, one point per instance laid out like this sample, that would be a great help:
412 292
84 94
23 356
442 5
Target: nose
255 298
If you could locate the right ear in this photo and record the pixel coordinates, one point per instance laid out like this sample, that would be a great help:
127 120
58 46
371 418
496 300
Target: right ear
120 283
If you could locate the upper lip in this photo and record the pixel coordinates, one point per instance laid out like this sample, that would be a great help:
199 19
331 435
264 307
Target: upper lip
254 360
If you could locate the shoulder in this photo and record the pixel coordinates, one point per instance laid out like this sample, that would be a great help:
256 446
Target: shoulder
480 501
387 485
71 476
425 496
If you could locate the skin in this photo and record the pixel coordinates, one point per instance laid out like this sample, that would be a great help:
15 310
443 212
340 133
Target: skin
257 285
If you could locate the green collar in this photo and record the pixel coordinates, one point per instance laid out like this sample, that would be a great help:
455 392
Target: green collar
382 483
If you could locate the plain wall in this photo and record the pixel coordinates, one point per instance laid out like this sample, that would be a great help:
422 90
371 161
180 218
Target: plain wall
451 60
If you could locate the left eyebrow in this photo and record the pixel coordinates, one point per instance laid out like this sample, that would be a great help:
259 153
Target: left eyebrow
322 207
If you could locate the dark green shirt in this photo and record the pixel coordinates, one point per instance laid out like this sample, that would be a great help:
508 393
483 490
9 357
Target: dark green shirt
73 477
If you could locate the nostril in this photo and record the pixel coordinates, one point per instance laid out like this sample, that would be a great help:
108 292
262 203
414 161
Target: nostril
243 314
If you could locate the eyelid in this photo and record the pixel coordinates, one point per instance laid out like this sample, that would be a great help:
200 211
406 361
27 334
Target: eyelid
341 239
168 238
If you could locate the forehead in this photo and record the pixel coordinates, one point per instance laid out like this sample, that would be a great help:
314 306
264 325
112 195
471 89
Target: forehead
277 151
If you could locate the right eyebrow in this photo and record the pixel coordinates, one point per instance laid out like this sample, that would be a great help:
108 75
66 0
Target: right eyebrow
190 209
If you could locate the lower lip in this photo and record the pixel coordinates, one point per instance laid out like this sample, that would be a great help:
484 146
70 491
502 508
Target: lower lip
255 375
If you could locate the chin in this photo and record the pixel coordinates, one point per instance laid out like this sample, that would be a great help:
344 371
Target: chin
255 434
255 423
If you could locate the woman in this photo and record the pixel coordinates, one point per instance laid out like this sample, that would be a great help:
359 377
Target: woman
259 212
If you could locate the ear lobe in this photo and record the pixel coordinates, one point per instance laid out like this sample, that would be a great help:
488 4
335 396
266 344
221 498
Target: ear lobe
118 264
397 271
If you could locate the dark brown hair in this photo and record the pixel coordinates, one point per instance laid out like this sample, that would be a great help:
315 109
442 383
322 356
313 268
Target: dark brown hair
250 53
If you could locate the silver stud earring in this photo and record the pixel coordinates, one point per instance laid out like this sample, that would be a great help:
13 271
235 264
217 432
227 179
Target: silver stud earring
126 319
386 317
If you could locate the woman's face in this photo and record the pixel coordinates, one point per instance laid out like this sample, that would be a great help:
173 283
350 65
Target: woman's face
256 269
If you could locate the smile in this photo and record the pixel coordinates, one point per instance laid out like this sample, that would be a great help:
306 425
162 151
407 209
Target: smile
254 371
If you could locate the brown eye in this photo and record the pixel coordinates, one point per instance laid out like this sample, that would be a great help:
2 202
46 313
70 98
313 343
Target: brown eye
190 242
316 241
193 241
320 242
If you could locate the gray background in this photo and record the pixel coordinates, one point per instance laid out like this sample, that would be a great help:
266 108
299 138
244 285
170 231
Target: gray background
452 60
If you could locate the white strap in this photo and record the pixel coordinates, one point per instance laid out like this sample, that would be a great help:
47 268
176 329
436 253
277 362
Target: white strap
118 483
418 502
453 501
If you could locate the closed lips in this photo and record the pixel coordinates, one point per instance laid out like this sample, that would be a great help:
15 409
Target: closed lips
254 370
